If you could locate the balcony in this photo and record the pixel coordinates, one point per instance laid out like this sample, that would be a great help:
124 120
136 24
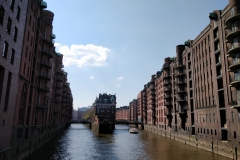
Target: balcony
59 86
234 64
48 41
167 89
235 104
153 107
181 99
181 112
42 106
233 33
166 66
180 90
59 78
167 82
153 114
233 16
178 82
234 48
48 64
47 52
235 80
153 102
167 103
166 76
45 88
56 112
180 73
45 75
58 93
152 93
179 65
166 96
168 114
61 72
58 100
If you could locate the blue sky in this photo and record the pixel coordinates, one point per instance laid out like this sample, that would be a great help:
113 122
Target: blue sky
114 46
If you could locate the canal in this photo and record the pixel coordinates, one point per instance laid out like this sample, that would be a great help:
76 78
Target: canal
78 142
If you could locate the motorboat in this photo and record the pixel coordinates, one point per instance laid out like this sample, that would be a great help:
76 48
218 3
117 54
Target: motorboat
133 130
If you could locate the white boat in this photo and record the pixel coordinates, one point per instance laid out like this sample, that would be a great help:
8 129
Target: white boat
133 130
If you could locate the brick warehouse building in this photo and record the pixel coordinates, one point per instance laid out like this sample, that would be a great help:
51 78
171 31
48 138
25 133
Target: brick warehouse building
35 97
122 113
133 111
201 88
104 113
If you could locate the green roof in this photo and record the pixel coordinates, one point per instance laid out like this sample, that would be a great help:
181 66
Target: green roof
44 4
53 36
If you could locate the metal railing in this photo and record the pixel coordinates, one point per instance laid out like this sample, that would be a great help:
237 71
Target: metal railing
44 87
180 89
45 75
181 99
179 72
232 46
234 61
234 78
46 63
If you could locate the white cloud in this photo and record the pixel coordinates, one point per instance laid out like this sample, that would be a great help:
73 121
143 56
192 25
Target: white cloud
83 55
91 77
119 78
118 86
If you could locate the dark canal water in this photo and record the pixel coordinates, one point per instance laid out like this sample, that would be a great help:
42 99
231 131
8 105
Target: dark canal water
81 143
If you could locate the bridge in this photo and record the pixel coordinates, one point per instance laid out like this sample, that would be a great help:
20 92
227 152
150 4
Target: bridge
86 121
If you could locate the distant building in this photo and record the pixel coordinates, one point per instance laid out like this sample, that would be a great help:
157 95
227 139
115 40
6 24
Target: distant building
122 113
103 120
81 112
75 115
133 111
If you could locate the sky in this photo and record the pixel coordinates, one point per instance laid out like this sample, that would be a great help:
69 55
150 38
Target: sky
114 46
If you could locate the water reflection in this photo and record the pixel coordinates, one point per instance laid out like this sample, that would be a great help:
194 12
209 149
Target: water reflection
81 143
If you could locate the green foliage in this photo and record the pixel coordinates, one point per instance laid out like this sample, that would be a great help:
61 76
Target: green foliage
88 113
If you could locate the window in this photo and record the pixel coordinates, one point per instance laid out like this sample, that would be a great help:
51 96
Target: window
18 13
232 11
9 25
30 21
24 67
8 91
28 36
12 4
233 27
2 11
5 49
238 114
12 56
15 34
214 117
2 71
233 117
26 52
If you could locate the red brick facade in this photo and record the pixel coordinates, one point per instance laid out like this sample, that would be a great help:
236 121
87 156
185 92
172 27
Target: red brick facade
197 93
36 99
